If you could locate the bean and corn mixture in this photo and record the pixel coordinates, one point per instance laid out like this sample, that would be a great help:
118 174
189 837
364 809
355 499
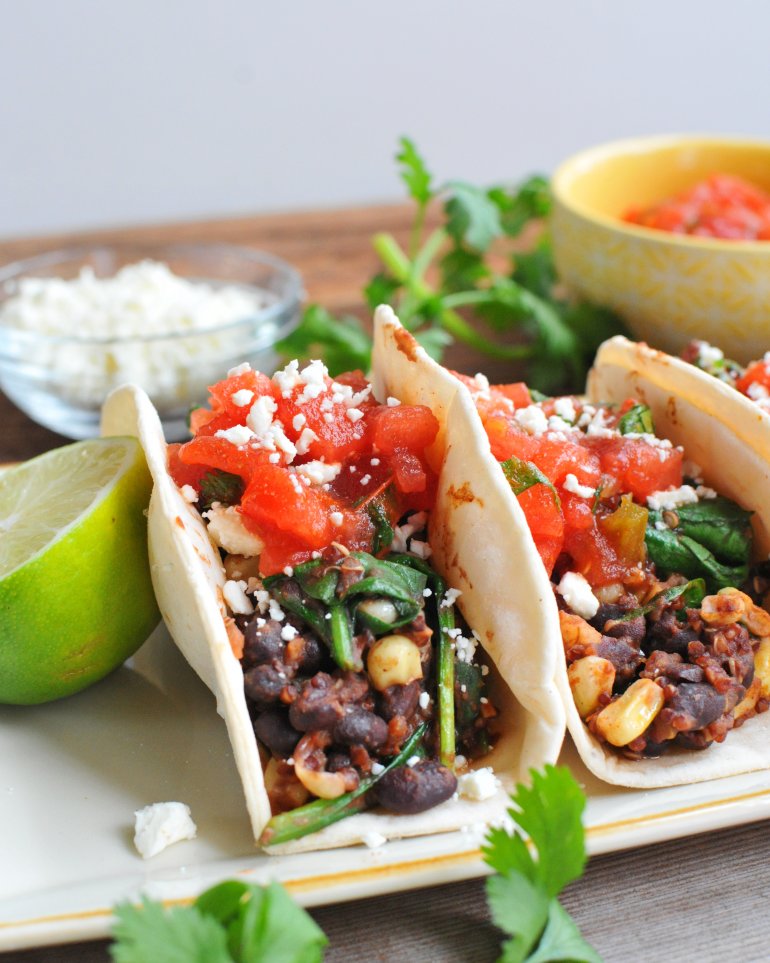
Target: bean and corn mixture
646 564
360 680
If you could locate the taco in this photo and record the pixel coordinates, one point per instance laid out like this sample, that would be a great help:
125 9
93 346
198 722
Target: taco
290 545
651 561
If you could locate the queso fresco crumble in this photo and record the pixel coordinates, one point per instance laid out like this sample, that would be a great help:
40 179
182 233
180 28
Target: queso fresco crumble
105 322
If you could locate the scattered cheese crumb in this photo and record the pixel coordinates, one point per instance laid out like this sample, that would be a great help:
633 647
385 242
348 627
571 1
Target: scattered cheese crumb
336 518
226 530
234 593
242 398
373 840
288 632
672 498
393 402
424 700
237 435
189 494
571 484
577 593
479 784
532 419
161 824
451 596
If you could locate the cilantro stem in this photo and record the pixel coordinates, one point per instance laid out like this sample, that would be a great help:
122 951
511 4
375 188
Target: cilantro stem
323 812
400 267
430 249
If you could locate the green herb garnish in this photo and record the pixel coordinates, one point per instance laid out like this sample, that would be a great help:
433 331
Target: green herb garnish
522 475
560 335
232 922
523 897
637 421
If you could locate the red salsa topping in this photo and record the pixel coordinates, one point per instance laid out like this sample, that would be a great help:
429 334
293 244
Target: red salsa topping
721 206
314 454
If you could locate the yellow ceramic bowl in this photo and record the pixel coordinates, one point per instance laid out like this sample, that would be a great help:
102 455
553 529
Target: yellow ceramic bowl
669 288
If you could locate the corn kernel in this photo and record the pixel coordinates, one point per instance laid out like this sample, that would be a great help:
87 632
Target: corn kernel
628 717
393 660
590 678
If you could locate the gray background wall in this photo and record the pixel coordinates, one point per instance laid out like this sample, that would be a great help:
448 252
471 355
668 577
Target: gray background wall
126 111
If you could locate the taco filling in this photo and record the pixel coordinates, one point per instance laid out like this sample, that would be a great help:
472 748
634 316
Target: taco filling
658 603
360 677
753 380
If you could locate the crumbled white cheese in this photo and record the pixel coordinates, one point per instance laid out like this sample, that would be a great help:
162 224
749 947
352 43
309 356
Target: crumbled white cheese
226 529
305 440
557 424
757 392
336 518
237 435
393 402
365 479
465 649
354 414
703 492
318 472
482 382
661 526
412 761
565 409
426 593
288 632
450 597
479 784
287 378
298 421
691 469
708 354
189 494
576 592
242 397
377 768
374 840
161 824
571 484
234 593
239 369
532 419
424 700
374 462
672 498
420 549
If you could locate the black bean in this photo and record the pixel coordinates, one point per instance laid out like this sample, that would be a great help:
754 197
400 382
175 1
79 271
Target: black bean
317 706
400 700
273 728
336 761
695 706
633 630
413 789
623 654
263 683
359 727
307 654
262 643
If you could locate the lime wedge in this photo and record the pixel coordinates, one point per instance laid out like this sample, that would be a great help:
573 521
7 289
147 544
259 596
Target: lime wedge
75 592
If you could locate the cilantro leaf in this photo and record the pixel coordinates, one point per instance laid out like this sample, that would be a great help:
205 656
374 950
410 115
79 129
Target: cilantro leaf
472 217
233 922
150 934
530 201
550 812
272 927
561 941
519 908
637 421
522 475
414 173
380 290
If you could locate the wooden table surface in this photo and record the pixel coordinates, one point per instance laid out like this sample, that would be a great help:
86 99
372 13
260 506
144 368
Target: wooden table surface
702 898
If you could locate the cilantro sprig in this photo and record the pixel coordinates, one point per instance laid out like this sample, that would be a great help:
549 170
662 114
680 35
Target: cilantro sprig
523 896
233 922
468 280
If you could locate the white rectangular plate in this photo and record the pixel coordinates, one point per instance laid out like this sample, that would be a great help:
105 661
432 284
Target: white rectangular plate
74 772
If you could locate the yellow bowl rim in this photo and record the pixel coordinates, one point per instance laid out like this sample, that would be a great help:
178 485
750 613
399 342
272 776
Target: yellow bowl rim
588 157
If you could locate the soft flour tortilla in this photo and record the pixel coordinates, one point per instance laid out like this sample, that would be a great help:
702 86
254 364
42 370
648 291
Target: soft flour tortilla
723 433
188 578
698 413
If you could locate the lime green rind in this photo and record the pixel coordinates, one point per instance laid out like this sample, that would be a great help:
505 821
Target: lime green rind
93 580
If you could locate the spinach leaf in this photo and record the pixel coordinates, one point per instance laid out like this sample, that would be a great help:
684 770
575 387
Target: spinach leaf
637 421
383 530
219 486
712 539
522 475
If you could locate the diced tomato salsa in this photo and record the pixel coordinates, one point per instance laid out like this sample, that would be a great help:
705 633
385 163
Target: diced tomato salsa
313 452
720 206
590 467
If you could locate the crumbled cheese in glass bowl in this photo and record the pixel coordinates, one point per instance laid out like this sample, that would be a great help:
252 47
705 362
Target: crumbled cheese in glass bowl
76 323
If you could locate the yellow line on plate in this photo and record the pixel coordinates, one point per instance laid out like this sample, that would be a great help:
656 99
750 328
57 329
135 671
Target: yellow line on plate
408 867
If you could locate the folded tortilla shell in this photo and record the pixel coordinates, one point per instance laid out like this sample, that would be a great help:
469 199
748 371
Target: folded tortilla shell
188 578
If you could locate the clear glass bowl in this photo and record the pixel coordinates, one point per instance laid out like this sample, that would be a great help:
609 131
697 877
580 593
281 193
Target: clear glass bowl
61 380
